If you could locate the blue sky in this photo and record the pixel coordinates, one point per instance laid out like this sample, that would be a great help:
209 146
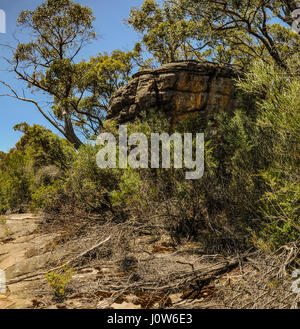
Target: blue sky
112 34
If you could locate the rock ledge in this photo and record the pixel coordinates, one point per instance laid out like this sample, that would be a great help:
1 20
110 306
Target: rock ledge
178 89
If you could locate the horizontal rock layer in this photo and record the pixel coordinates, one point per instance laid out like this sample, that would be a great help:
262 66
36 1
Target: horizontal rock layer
179 89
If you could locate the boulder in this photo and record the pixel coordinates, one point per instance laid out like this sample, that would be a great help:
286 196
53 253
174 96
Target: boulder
178 89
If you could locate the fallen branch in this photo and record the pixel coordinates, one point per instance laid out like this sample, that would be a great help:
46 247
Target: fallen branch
73 261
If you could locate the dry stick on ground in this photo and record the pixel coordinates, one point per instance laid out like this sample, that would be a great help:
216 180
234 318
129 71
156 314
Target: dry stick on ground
173 282
269 284
72 261
258 269
184 279
203 278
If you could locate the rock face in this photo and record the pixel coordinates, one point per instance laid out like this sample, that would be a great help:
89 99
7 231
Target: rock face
178 89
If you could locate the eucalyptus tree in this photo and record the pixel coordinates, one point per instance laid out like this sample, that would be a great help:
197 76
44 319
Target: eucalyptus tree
233 31
58 30
166 35
77 92
242 30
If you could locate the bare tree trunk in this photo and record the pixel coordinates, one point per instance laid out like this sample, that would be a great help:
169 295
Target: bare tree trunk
69 131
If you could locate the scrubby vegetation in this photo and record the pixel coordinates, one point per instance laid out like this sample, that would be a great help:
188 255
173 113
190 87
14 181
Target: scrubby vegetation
249 192
59 281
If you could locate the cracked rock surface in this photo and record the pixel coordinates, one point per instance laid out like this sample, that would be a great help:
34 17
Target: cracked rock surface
178 89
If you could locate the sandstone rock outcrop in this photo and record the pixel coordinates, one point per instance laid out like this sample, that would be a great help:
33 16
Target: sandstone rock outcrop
179 89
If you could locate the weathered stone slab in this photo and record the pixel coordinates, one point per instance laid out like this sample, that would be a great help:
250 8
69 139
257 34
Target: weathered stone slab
177 89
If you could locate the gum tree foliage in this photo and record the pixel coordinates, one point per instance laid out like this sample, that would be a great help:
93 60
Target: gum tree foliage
223 31
246 29
59 30
104 74
78 92
165 32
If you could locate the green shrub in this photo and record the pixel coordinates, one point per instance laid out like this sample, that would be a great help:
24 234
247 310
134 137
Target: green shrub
88 185
32 167
276 137
59 280
15 178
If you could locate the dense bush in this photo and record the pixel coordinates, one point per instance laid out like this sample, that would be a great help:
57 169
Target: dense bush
36 162
250 190
249 193
15 179
276 140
